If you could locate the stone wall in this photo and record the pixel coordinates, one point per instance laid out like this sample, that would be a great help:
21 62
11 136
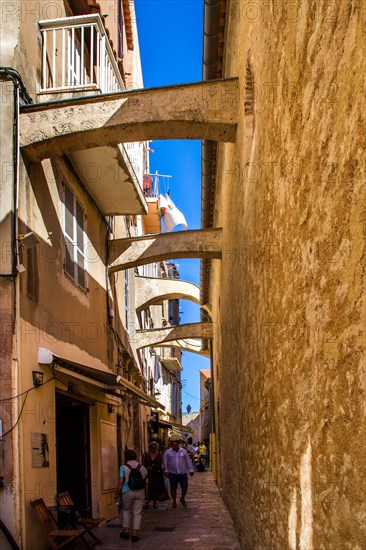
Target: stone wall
289 295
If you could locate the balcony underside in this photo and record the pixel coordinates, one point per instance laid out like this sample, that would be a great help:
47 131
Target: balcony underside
171 363
108 175
152 220
204 110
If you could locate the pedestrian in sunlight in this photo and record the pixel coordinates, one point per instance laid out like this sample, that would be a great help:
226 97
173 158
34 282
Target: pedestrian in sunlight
177 466
131 489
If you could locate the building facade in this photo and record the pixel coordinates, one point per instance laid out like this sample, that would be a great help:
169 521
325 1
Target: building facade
288 296
281 115
205 406
76 388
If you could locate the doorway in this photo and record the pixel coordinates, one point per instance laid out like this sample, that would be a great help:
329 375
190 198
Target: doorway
73 449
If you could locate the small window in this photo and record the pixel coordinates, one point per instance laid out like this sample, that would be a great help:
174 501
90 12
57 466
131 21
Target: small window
120 30
249 116
249 101
74 231
249 89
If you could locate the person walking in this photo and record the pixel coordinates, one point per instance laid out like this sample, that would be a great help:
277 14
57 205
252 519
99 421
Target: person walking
177 466
202 450
131 486
154 464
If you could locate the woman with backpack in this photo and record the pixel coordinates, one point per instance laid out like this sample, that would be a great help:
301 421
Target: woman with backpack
131 487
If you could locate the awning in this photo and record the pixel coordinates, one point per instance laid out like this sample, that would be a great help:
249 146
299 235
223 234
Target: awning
168 424
162 425
104 380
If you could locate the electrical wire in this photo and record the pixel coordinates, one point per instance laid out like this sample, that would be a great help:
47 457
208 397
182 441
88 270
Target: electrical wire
189 395
189 343
26 391
19 416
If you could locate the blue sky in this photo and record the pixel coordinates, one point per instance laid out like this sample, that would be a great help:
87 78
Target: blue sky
171 37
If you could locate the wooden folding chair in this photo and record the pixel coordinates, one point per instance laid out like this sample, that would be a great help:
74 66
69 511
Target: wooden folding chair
88 524
58 538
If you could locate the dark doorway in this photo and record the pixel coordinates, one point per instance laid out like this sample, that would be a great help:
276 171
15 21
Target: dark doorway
73 449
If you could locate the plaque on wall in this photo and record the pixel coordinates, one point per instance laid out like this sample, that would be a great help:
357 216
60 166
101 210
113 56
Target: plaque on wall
40 451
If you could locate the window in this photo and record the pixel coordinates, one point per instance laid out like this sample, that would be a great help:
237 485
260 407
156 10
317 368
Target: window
120 30
127 299
249 100
74 238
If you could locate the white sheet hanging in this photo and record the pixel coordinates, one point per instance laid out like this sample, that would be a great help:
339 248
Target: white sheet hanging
171 215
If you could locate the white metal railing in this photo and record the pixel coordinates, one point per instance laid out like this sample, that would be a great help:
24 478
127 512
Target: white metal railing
77 55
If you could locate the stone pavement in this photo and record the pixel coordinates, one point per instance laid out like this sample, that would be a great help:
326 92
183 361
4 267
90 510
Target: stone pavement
204 525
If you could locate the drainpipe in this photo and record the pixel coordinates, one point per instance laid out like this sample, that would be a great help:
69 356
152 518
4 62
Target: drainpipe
19 92
208 148
210 38
209 72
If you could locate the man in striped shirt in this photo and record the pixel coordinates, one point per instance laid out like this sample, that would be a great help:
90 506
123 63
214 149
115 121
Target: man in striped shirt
177 466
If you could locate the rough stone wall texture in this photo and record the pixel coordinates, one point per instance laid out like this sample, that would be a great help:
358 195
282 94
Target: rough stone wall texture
289 295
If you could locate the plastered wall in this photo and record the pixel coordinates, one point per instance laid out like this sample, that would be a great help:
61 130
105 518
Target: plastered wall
289 295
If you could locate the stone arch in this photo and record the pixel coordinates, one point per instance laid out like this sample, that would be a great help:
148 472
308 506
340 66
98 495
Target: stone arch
134 251
152 290
203 110
173 333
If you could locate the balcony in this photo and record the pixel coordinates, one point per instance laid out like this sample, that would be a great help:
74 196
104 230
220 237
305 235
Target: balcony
78 61
77 56
171 360
110 178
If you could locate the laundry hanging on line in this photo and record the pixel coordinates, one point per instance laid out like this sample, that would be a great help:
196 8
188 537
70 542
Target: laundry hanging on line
172 216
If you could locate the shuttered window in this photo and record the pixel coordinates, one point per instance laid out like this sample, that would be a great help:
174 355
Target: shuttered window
74 238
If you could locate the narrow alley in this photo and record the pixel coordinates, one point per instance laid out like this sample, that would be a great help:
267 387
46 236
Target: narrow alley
204 525
182 236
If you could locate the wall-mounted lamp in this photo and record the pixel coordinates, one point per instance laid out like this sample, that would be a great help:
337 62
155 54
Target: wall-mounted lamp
29 240
110 408
37 378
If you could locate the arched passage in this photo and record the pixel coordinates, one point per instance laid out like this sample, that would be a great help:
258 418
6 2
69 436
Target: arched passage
203 110
135 251
152 290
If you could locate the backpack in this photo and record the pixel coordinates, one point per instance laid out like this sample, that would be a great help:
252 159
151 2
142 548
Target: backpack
135 479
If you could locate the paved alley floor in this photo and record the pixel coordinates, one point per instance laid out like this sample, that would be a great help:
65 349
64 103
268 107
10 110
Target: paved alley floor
204 525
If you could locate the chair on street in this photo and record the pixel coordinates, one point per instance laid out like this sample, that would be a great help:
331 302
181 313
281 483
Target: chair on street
65 502
57 538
